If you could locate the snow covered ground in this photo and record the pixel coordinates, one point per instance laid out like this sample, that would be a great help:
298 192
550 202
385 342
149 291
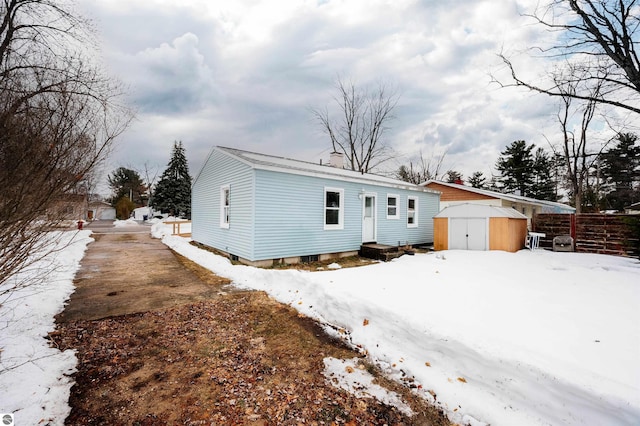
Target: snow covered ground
493 337
34 378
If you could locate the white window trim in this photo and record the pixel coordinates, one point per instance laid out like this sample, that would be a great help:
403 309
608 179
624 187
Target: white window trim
340 224
397 215
223 222
415 213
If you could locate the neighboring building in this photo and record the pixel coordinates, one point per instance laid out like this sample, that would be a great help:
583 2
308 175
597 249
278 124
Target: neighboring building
100 210
473 226
453 193
70 207
141 213
263 209
632 209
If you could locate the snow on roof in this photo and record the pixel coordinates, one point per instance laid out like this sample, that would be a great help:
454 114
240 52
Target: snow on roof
287 165
508 197
468 210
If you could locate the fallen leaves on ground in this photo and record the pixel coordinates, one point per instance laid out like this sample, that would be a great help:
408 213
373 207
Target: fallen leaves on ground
243 359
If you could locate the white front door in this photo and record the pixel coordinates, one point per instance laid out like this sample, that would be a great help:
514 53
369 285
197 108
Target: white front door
369 219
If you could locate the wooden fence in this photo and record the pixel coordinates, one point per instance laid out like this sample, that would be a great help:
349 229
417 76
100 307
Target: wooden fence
592 233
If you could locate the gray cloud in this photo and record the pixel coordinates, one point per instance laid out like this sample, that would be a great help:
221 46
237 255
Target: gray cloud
244 73
171 78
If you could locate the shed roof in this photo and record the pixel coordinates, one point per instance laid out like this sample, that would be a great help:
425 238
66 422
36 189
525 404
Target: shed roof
287 165
470 210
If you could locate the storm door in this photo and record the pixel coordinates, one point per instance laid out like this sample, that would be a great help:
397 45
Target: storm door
369 219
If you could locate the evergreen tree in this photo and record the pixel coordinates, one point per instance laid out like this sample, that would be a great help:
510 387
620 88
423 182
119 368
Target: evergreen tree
543 187
515 165
173 192
453 176
620 169
477 180
127 183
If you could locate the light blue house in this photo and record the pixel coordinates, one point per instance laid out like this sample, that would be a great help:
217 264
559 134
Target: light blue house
262 209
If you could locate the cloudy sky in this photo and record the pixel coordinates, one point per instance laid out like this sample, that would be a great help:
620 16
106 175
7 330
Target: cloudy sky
244 74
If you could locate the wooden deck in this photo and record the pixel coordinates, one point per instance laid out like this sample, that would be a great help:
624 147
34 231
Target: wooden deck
380 251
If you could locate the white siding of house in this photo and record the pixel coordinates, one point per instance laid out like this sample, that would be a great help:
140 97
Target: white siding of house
219 170
392 231
275 214
290 216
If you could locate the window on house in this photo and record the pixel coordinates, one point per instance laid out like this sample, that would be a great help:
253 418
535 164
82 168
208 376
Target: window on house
333 208
392 206
225 203
412 212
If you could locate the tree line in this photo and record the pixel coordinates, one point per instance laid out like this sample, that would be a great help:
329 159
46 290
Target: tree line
171 195
612 179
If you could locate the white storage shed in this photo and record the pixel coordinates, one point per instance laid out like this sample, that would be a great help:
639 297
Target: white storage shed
479 227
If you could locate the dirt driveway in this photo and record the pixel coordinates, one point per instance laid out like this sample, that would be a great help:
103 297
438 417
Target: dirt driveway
161 341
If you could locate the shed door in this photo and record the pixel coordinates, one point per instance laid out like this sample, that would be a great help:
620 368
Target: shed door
477 230
467 234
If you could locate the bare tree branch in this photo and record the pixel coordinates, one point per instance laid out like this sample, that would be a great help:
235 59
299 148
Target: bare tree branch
578 156
598 40
363 119
59 116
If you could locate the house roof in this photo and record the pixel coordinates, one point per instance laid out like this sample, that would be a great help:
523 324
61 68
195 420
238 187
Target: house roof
288 165
470 210
507 197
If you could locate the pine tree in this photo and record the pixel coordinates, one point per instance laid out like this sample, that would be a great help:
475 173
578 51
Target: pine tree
620 168
543 187
453 176
173 192
477 180
127 183
515 165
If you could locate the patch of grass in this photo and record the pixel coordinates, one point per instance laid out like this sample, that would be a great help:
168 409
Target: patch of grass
202 273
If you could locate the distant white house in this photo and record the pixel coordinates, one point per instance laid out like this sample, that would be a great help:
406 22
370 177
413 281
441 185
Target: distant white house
141 213
260 208
100 210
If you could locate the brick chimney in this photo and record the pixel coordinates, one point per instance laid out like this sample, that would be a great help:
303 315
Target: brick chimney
336 159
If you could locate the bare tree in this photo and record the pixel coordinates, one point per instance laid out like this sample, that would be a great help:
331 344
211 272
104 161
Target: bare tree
598 43
59 115
422 170
363 119
579 158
